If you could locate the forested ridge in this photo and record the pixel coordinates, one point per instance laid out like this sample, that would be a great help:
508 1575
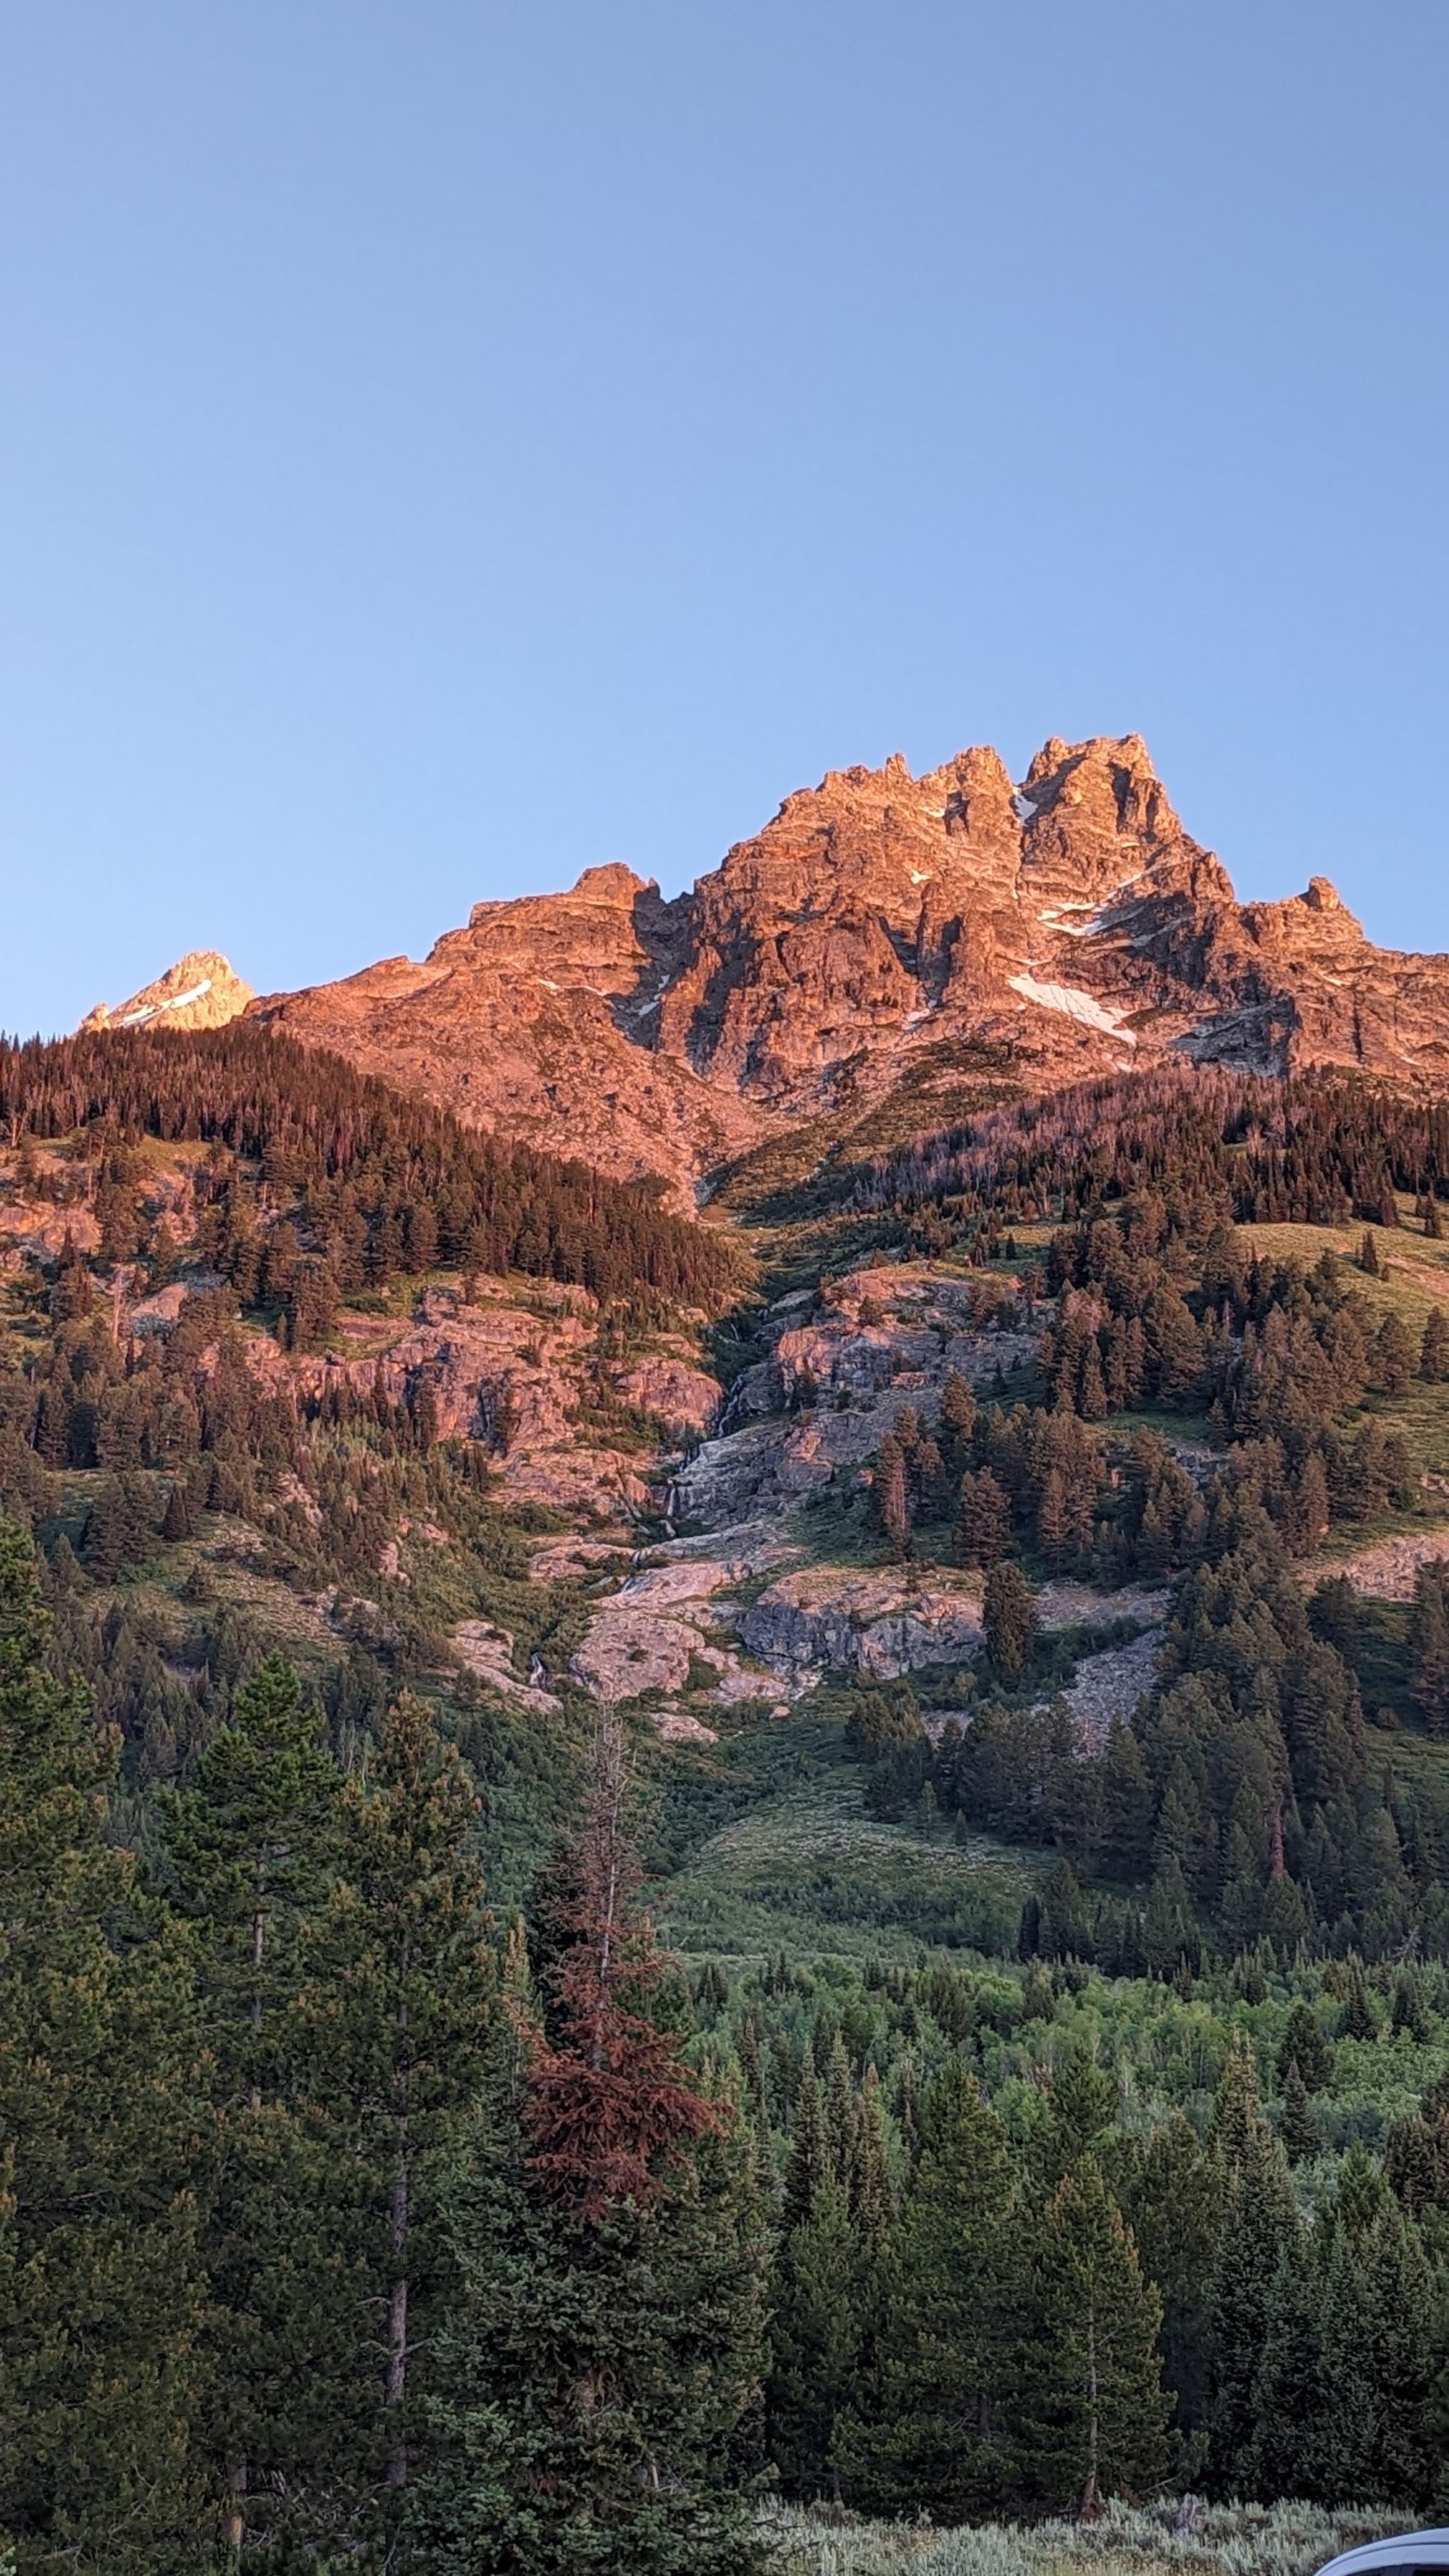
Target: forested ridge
420 2209
375 1182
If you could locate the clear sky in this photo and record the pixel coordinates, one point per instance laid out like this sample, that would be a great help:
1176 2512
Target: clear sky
445 444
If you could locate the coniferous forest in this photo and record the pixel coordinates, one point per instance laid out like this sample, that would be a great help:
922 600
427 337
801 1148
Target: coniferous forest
418 2151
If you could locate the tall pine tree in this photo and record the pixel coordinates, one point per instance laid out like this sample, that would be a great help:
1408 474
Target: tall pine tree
101 2109
600 2365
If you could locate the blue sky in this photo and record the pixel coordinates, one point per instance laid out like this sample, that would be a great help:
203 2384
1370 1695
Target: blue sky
445 446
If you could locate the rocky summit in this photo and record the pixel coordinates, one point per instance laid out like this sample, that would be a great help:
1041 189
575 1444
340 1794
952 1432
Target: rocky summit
875 932
199 992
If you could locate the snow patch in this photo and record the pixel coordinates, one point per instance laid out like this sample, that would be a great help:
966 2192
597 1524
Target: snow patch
172 1002
1077 1005
920 876
1023 807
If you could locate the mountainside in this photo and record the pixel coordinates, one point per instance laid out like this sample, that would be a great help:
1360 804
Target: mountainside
876 927
1008 1546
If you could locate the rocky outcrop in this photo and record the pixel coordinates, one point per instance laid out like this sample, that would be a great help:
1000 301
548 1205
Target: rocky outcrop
880 1621
881 927
199 992
660 1634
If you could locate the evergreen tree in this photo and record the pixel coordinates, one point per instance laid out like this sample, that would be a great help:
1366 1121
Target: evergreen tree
600 2364
932 2432
890 1498
1393 1355
1429 1644
610 2102
1009 1619
817 2293
1299 2130
1434 1347
982 1533
809 2169
395 2004
1393 2312
1259 2231
1094 2411
101 2109
1304 2045
1358 2020
955 1424
597 2383
251 1842
1290 2449
1170 2191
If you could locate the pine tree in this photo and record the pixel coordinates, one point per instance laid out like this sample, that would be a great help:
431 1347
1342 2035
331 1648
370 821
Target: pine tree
398 1986
982 1532
1299 2129
101 2109
839 2110
1290 2449
816 2298
1170 2191
955 1424
890 1496
1429 1644
809 2169
1259 2228
1392 2313
1393 1355
932 2431
251 1842
597 2384
1303 2044
1126 1803
600 2363
1433 1347
1094 2411
609 2097
1009 1620
869 2182
1358 2019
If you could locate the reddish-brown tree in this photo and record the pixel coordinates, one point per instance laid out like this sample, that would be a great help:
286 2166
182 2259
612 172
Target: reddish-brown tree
611 2105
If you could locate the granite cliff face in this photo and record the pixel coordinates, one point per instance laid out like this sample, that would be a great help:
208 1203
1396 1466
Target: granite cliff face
878 921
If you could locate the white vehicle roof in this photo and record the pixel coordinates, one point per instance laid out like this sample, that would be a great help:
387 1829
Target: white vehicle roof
1398 2549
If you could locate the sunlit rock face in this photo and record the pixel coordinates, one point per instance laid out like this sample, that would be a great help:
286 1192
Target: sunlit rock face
879 927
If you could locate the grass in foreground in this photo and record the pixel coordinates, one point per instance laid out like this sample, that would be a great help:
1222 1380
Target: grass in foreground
1182 2537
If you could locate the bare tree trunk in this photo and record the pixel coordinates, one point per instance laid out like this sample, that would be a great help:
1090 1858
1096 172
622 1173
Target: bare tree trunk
235 2527
395 2389
1089 2499
259 1939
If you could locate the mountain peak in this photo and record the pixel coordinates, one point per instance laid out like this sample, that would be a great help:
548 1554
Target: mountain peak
879 931
199 992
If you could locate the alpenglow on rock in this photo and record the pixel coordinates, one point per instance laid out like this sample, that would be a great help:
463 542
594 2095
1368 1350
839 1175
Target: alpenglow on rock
881 931
199 992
